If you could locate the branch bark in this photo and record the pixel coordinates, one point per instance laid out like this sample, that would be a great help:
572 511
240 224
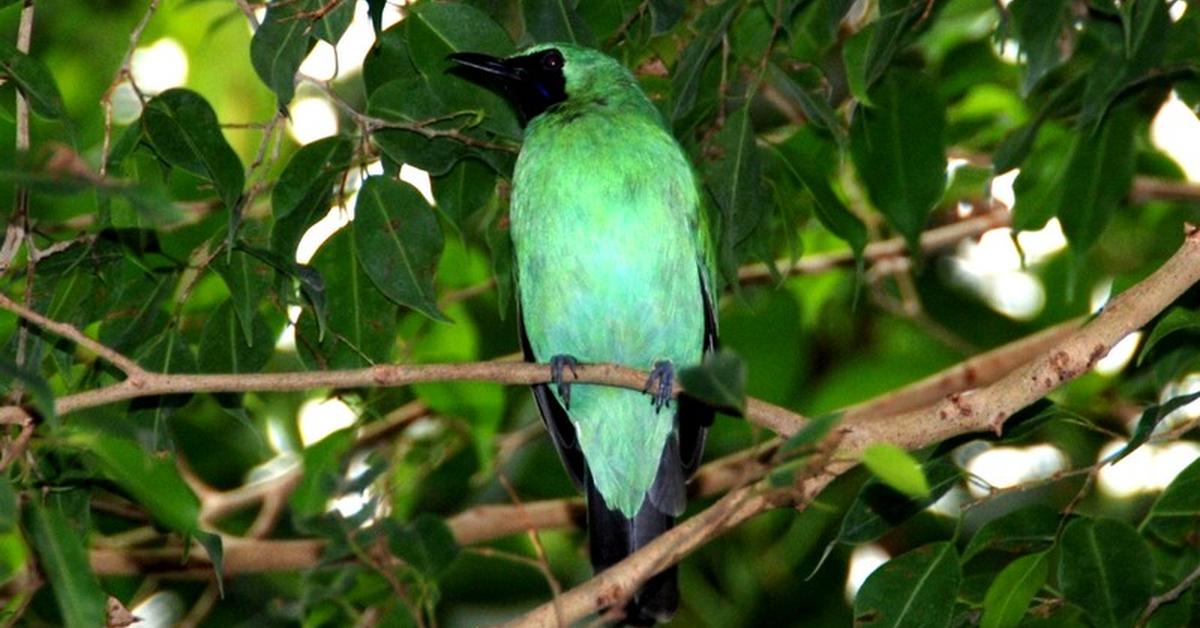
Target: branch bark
980 410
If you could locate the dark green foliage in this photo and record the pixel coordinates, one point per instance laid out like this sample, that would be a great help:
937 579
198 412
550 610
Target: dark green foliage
180 253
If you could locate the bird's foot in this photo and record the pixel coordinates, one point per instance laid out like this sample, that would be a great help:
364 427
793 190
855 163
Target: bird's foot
556 375
661 384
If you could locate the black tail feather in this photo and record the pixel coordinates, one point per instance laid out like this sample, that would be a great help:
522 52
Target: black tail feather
613 536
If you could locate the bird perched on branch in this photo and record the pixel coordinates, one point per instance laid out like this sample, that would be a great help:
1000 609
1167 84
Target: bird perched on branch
613 264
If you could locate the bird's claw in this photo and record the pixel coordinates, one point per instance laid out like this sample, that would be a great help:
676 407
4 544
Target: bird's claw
661 384
556 375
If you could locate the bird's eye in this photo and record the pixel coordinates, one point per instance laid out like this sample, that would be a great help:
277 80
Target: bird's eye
552 60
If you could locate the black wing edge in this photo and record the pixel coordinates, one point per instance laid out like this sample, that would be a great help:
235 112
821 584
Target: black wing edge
694 418
554 417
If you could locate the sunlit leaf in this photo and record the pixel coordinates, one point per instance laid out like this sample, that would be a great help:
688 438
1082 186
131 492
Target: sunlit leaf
1013 590
896 468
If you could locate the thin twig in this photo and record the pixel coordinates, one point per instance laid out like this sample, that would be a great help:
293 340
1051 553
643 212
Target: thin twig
1170 596
123 74
128 366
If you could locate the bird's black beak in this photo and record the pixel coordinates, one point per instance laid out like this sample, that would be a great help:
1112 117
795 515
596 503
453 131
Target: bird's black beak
486 70
532 83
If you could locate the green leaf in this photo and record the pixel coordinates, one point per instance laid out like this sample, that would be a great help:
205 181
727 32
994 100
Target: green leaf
322 475
64 561
151 479
413 101
39 391
1039 28
879 507
333 25
224 349
247 278
1106 569
685 79
719 381
389 60
1097 178
436 30
873 48
499 242
1177 319
899 151
279 47
815 108
811 434
734 178
398 242
426 544
555 20
9 510
311 174
1118 72
813 162
896 468
184 130
304 192
1013 590
1038 188
34 80
1175 513
464 191
1150 419
361 322
1029 529
916 590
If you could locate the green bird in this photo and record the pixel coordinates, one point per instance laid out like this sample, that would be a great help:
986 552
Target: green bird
613 264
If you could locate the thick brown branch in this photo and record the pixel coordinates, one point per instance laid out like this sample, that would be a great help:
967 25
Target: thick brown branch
980 410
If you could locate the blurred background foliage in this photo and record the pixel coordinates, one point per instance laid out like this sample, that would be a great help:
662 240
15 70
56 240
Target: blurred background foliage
208 229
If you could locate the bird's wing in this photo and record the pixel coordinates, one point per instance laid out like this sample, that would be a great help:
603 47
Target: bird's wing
694 418
554 416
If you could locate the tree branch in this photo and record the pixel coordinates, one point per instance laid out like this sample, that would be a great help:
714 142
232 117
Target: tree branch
128 366
932 241
1063 353
980 410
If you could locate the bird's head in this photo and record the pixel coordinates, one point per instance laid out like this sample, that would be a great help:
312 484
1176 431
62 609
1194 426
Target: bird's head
545 76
